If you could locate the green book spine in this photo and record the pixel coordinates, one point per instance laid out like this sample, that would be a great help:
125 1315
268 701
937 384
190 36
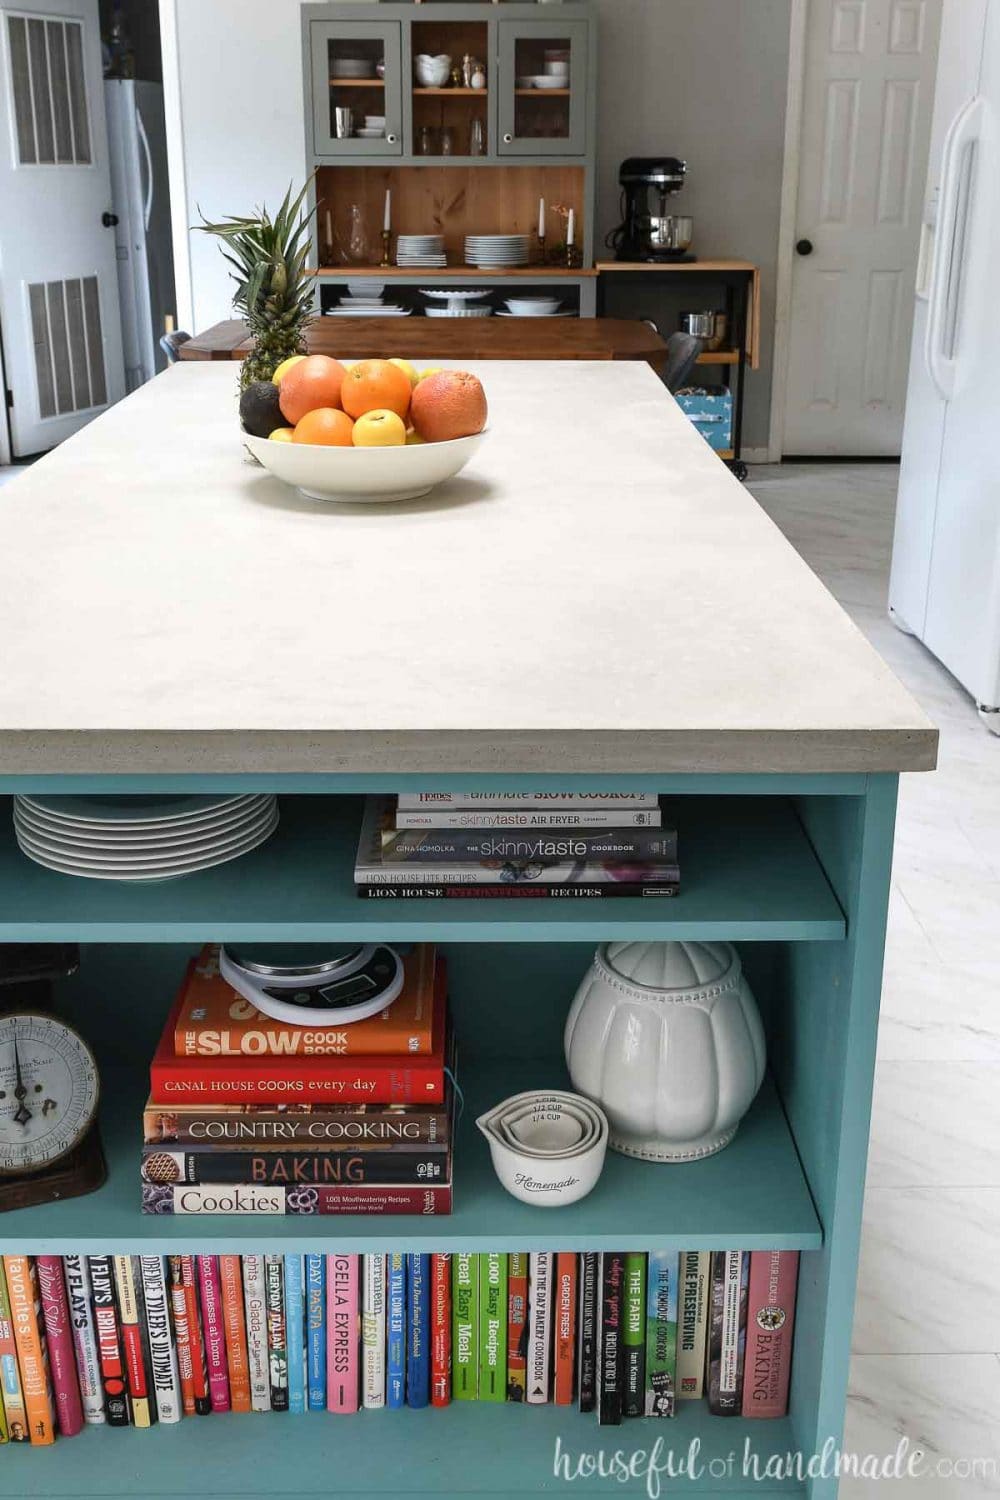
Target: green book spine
634 1334
492 1327
465 1327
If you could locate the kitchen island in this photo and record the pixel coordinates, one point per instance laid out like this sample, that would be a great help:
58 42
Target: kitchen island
595 600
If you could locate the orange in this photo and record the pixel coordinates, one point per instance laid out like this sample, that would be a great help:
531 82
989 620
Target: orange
315 381
375 385
450 404
326 425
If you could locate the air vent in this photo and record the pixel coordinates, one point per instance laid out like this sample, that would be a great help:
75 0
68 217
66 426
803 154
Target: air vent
47 85
68 344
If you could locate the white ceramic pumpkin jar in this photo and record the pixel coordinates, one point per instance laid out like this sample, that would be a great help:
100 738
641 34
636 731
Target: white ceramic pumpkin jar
667 1039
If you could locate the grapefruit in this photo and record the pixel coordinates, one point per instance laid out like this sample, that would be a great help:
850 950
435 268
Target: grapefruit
313 382
327 426
375 385
448 405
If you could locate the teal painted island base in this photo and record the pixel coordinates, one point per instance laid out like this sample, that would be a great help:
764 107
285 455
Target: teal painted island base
795 869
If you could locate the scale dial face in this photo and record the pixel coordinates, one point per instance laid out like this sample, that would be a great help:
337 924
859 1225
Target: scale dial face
49 1089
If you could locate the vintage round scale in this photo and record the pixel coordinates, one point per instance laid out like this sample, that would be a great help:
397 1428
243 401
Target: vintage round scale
49 1091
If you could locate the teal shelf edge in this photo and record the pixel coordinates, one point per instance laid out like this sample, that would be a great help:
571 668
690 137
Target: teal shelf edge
476 1450
748 873
752 1194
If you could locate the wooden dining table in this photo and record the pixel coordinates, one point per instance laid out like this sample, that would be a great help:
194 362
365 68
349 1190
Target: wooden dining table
458 338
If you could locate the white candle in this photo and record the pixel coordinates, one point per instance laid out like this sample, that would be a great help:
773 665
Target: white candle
329 231
541 218
387 216
571 228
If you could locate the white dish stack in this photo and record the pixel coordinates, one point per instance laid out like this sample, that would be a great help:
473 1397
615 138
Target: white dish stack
420 250
365 299
459 303
373 129
141 838
500 250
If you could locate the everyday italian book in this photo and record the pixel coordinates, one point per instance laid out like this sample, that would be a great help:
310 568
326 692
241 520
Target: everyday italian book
660 1333
634 1335
770 1332
419 1079
408 800
88 1364
296 1126
59 1342
693 1304
727 1331
277 1345
214 1020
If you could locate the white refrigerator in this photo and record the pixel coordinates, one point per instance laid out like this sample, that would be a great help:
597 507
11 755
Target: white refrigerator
945 581
141 205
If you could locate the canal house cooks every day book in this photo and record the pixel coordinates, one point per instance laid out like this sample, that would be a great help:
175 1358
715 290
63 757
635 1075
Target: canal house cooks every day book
483 845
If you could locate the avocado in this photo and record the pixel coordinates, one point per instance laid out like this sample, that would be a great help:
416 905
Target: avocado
259 409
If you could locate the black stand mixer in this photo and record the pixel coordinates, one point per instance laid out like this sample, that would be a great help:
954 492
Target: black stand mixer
647 231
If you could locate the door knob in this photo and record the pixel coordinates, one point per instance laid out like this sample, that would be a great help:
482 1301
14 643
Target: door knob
804 247
391 138
507 137
109 220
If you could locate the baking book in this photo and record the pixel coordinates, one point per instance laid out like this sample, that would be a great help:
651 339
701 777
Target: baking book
398 1166
419 1079
693 1299
727 1331
660 1333
213 1020
770 1332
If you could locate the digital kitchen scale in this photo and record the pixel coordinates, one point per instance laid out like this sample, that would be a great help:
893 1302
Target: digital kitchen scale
314 984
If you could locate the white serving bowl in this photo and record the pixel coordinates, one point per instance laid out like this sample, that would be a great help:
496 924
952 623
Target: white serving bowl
532 306
373 289
364 476
546 1180
432 72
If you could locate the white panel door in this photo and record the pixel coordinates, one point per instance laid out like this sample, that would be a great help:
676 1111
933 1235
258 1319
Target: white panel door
867 100
58 276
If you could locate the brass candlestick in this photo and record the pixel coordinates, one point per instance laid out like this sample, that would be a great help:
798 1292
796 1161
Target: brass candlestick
386 246
573 257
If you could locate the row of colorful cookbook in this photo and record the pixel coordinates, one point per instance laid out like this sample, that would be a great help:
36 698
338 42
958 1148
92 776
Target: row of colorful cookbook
135 1339
251 1115
530 844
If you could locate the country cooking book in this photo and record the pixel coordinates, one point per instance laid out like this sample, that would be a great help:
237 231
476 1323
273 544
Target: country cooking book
295 1126
213 1020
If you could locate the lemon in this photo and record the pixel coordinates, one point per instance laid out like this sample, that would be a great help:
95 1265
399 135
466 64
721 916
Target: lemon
408 370
284 367
281 435
379 429
434 370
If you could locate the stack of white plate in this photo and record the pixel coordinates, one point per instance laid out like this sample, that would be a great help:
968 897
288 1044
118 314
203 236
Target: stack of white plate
373 128
459 303
352 67
420 250
141 838
366 307
496 249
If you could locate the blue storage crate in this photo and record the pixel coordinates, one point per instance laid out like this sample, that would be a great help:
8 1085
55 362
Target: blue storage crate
711 411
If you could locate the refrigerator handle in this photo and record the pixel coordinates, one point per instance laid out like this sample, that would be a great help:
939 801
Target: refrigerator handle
949 247
144 141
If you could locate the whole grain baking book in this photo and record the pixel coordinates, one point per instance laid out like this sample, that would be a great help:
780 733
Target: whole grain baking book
213 1020
693 1305
368 1079
24 1298
770 1332
727 1331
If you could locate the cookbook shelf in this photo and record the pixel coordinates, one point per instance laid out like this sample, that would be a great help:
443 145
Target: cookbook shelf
753 1193
749 874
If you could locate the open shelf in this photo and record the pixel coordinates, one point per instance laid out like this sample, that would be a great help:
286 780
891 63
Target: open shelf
470 1448
543 93
451 273
752 1194
748 872
719 357
357 83
447 93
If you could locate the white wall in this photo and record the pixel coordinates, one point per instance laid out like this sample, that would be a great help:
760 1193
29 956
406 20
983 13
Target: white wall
701 79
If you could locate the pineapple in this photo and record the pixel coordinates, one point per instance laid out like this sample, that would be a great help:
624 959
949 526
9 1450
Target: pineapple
273 293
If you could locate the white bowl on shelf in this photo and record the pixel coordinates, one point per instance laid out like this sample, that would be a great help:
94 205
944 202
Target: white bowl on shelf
432 72
557 67
364 476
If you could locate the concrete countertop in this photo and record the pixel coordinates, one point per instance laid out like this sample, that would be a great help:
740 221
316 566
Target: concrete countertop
596 593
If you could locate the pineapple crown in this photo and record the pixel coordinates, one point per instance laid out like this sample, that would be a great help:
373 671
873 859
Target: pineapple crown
268 257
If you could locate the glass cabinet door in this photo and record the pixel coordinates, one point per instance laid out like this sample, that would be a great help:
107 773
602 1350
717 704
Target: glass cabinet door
357 88
542 88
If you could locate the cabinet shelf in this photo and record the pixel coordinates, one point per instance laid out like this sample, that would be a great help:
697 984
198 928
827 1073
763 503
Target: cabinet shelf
753 1194
470 1448
357 83
543 93
444 93
748 873
719 357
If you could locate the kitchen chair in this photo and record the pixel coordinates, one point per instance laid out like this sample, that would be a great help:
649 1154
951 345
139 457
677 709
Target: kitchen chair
682 354
170 343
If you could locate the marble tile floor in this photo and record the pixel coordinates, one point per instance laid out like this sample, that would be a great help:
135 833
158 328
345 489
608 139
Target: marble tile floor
926 1365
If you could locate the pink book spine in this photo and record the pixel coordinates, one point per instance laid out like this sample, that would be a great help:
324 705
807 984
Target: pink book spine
59 1337
770 1332
342 1303
210 1289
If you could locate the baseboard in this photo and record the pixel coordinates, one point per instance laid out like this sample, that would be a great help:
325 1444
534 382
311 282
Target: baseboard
756 456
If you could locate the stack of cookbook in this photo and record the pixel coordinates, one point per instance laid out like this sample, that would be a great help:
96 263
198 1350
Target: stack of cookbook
516 844
251 1115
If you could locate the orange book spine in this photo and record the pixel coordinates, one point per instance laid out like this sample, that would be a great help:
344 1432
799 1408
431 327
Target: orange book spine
214 1021
565 1325
26 1316
234 1324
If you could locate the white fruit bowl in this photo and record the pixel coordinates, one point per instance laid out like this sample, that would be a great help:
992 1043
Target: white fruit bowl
364 476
